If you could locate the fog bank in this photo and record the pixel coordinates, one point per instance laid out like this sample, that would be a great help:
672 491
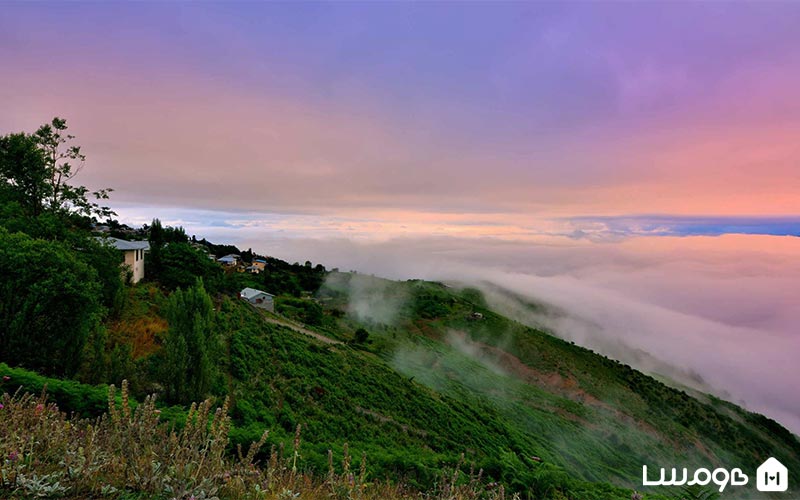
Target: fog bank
717 313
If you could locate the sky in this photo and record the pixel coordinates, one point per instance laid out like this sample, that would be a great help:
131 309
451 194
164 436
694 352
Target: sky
633 163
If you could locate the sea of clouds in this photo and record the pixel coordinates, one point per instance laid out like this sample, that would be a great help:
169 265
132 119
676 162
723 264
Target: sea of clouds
673 296
719 314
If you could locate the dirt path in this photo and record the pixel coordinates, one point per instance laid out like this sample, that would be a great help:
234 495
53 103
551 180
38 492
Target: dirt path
300 329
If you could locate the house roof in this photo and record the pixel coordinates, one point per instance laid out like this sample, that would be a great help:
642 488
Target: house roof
260 260
249 293
126 245
228 258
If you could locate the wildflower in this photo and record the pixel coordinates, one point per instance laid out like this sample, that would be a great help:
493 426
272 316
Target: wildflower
13 456
1 406
39 408
6 378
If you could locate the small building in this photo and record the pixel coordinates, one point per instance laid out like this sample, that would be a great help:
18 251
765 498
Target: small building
261 264
253 269
134 255
229 260
258 298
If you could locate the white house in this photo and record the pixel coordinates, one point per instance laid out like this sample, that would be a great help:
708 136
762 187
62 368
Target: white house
134 255
258 298
229 260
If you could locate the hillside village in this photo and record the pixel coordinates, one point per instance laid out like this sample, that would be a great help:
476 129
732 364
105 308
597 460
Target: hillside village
134 265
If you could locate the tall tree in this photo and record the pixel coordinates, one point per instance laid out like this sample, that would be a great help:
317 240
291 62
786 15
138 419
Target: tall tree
155 237
191 344
36 170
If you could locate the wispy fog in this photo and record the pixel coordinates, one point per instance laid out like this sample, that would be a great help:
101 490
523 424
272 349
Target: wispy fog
717 313
369 298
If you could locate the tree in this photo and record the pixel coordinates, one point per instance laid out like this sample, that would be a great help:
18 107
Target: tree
46 311
36 170
23 172
360 336
156 240
192 343
181 265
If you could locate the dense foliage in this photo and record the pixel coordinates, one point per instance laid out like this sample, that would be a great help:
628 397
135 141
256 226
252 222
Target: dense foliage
192 344
49 302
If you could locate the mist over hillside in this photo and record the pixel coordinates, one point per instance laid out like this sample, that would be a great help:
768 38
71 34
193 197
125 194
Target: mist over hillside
712 313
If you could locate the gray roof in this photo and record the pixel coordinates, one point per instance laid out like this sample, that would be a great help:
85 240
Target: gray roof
249 293
126 245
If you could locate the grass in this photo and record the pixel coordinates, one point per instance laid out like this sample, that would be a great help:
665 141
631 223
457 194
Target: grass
534 414
131 453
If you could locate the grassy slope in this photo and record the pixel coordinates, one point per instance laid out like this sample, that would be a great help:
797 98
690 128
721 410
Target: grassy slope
431 384
598 419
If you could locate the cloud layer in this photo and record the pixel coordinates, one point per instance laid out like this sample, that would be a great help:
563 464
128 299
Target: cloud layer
720 310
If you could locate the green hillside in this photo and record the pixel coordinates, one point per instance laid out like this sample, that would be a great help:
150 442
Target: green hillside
433 380
598 419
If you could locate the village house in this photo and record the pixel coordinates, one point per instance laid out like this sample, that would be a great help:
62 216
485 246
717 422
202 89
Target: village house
134 255
229 260
258 298
257 266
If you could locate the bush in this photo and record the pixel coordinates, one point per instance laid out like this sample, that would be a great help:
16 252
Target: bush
50 300
360 336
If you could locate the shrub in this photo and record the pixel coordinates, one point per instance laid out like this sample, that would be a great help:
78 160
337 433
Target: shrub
50 300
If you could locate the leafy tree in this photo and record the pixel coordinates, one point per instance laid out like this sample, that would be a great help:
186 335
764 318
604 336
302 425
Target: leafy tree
49 303
96 360
192 343
175 235
156 240
106 261
23 172
181 265
36 170
360 336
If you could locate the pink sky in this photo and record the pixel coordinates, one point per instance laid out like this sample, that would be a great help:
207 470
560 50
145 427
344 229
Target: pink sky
564 117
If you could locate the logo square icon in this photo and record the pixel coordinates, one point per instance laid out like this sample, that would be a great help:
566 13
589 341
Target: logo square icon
772 476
